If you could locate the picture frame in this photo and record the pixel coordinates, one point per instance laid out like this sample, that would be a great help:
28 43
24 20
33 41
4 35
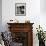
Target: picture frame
20 9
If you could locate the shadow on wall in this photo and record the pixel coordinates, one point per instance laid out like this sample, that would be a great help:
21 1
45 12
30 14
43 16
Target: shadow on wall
0 15
43 6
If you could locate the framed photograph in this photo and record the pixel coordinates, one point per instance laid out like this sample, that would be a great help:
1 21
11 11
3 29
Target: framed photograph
20 9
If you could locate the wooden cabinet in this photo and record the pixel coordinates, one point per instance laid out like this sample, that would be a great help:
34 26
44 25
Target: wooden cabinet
22 33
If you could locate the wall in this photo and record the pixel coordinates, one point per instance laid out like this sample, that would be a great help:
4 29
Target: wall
43 14
0 14
43 6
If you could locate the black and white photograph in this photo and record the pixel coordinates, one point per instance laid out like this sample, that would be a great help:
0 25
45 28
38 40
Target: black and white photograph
20 9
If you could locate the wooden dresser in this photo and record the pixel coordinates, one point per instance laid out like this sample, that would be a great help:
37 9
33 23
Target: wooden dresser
22 33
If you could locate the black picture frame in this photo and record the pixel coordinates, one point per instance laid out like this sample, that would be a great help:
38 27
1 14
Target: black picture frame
20 9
